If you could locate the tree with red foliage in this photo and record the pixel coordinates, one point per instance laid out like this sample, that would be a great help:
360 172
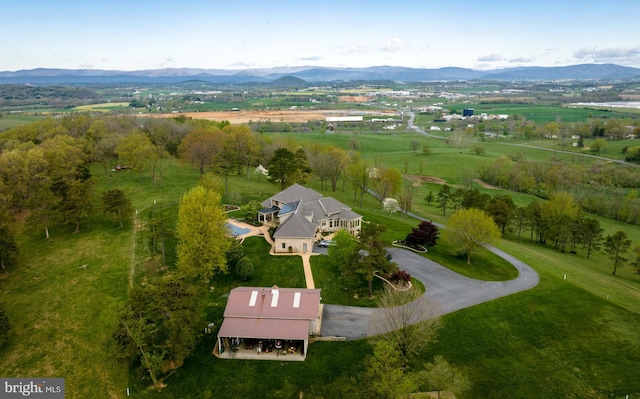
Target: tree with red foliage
426 234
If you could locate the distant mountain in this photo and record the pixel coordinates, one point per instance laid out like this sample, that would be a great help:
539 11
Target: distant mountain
43 76
575 72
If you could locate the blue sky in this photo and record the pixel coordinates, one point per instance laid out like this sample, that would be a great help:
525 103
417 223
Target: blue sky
143 34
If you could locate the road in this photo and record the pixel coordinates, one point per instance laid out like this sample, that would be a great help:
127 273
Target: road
446 290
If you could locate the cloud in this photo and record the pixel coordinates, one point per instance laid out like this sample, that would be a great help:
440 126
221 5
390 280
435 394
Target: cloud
490 58
312 58
519 60
388 46
611 54
392 45
357 49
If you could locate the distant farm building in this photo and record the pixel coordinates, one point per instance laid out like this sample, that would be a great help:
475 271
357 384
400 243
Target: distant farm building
345 118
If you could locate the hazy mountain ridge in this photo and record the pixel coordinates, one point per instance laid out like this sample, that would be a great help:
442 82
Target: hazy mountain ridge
317 74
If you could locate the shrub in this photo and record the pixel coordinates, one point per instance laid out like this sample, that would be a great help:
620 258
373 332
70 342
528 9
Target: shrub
244 268
400 276
426 234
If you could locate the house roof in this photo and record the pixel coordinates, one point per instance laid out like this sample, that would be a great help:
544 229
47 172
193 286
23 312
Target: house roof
308 207
273 303
293 193
296 226
330 205
288 208
348 214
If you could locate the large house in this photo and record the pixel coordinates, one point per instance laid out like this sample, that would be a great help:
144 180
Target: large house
301 214
267 323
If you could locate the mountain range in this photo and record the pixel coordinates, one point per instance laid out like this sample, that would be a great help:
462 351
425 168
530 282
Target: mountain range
314 74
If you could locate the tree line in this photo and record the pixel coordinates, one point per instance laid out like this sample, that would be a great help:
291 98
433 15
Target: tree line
559 221
602 188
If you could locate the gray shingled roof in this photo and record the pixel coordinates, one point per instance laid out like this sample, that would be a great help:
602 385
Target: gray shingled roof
296 226
331 205
297 192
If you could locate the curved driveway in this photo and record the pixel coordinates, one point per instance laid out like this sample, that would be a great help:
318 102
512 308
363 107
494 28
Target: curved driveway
447 290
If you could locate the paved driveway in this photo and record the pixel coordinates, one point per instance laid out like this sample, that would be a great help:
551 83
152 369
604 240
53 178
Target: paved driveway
449 291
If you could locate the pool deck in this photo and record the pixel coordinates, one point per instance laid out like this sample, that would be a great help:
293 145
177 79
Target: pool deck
264 231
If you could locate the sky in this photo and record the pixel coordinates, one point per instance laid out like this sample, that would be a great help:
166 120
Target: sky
142 34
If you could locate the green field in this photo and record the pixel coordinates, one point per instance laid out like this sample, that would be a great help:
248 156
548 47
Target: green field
543 113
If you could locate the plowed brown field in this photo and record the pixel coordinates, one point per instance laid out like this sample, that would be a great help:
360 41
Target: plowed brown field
244 116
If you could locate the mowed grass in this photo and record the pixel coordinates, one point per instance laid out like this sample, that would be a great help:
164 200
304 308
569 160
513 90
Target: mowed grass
554 341
544 113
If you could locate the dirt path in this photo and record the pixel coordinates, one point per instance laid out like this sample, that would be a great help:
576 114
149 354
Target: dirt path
417 180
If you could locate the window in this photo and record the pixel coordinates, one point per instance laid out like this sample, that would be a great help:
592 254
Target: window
284 245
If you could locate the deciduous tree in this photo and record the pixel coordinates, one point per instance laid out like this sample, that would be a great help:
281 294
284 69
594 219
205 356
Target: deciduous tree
473 199
202 234
137 151
501 208
376 257
343 253
385 375
414 145
244 268
591 234
337 160
443 377
8 247
405 198
159 324
406 321
358 172
202 148
468 229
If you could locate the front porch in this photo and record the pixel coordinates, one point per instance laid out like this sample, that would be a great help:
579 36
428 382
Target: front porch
252 349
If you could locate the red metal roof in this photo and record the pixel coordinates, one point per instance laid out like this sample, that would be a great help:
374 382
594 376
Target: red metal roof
273 303
264 328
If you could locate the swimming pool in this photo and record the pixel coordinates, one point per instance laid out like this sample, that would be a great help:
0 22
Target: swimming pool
237 231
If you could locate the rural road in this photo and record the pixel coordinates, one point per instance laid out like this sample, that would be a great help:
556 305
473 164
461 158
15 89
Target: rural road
447 290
